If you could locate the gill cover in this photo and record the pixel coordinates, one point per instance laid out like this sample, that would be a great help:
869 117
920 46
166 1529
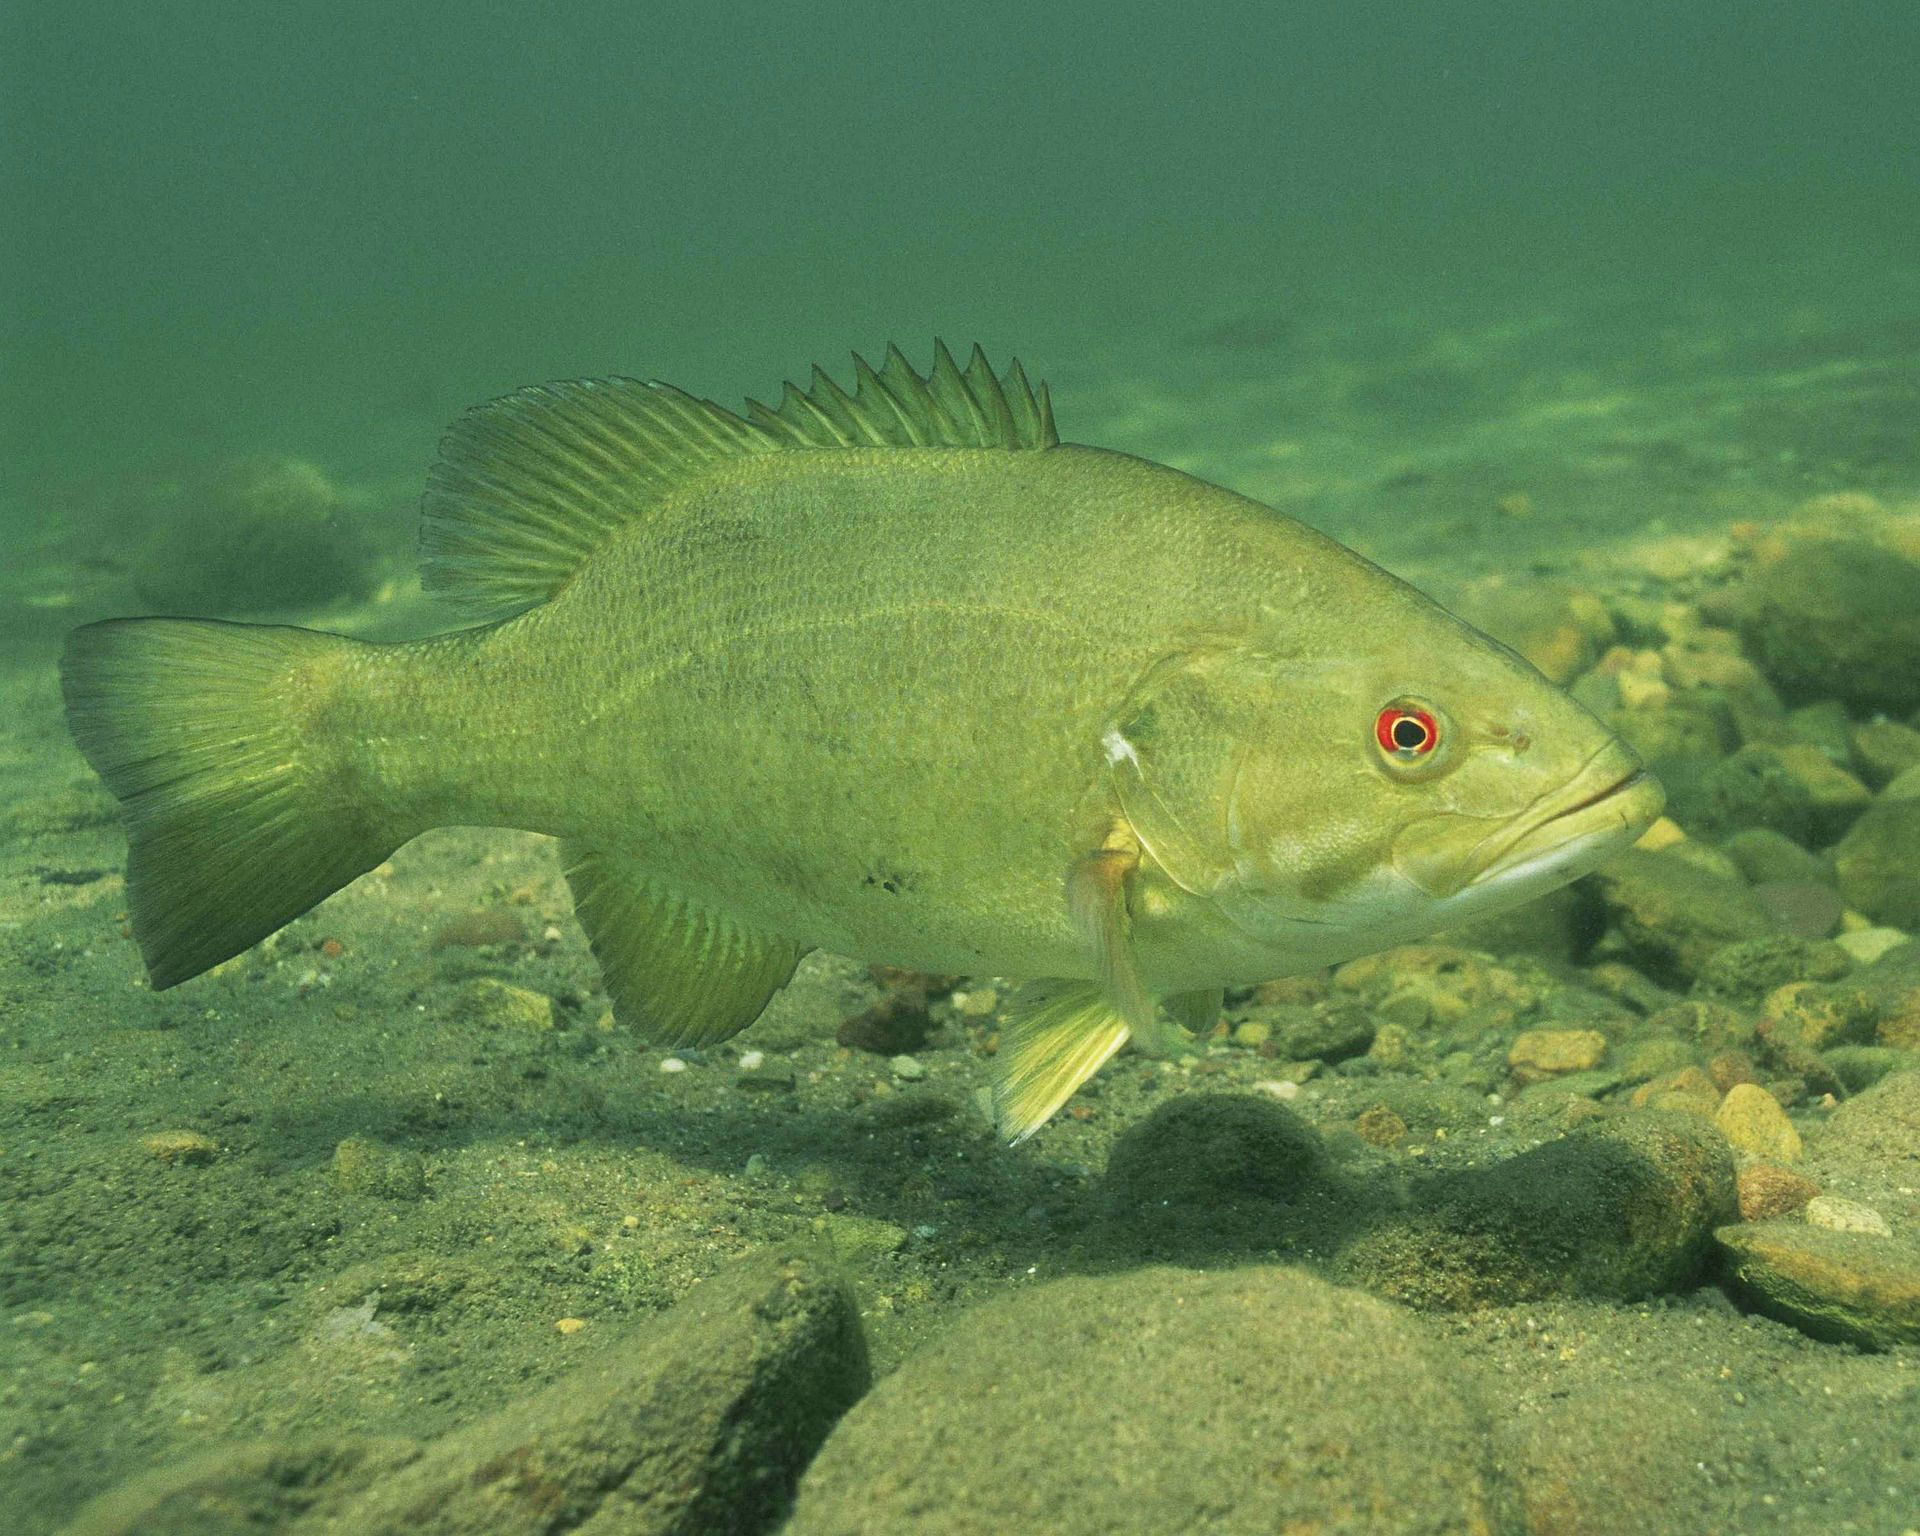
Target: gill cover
1175 748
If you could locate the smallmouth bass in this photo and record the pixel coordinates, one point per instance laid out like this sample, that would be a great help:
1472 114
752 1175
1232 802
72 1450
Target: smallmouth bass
891 672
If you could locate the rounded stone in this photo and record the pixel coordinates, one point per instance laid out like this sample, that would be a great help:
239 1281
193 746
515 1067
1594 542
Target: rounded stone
1753 1121
1878 862
1835 1285
1838 618
1265 1398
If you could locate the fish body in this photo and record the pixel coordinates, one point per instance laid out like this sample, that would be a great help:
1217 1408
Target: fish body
894 674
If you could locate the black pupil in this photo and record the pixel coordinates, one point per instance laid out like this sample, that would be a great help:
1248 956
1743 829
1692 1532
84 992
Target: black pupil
1409 733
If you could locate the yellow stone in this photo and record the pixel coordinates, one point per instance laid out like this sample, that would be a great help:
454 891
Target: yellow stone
1543 1053
1664 833
180 1146
571 1324
1752 1119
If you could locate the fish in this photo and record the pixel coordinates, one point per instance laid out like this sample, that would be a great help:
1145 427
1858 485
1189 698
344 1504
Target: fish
889 671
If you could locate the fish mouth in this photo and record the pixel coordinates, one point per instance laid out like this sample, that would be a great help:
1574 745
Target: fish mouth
1608 804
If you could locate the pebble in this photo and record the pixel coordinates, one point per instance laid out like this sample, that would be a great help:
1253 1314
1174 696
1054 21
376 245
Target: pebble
1277 1089
1381 1127
1838 1215
977 1002
1752 1119
1767 1191
672 1064
501 1005
570 1325
909 1069
1867 945
1543 1053
188 1148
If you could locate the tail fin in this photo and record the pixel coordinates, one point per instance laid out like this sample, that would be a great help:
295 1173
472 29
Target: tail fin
233 827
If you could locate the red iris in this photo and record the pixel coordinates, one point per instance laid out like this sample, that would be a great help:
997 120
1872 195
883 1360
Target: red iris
1406 733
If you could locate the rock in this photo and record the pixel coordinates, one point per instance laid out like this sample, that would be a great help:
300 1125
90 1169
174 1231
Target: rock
1543 1053
859 1240
1838 1215
1875 1127
1767 1192
1213 1174
496 1004
245 1489
1753 788
1328 1031
898 1023
1623 1207
909 1069
1753 1121
365 1167
1765 854
1835 795
1671 917
1824 726
1867 945
1833 1285
1806 909
252 536
1251 1400
1878 863
1837 618
1380 1127
700 1420
479 929
1753 968
1688 1091
1885 749
1859 1067
188 1148
1819 1017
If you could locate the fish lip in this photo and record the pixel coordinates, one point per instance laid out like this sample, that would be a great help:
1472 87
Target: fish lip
1630 802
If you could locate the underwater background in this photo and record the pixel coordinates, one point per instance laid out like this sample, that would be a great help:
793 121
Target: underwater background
1600 323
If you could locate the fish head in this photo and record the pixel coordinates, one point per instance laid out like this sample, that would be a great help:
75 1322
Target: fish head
1350 794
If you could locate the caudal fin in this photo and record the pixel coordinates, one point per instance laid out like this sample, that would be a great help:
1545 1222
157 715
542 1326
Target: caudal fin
235 826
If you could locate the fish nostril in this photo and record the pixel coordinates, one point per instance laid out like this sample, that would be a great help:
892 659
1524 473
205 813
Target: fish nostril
1521 741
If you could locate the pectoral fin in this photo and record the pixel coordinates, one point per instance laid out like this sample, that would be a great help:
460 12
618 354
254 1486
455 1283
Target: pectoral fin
1062 1033
1097 898
680 974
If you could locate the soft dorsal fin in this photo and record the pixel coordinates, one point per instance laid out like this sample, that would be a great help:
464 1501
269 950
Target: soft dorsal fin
529 485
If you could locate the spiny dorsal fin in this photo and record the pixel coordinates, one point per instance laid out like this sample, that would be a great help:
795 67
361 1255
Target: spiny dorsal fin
899 408
529 485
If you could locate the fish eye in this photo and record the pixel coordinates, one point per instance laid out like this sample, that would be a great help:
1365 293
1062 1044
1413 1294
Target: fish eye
1406 731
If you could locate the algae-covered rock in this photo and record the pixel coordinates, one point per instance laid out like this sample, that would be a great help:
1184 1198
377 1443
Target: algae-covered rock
1252 1400
1878 863
1837 618
698 1421
245 1489
1766 854
365 1167
1752 968
1754 1123
1671 917
252 536
1623 1207
1210 1175
1853 1286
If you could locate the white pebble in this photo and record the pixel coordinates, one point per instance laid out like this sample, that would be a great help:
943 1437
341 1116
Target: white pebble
908 1069
1278 1089
673 1064
1838 1215
750 1061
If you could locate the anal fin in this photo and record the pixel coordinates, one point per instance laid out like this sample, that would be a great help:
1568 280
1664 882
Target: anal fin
1061 1034
679 973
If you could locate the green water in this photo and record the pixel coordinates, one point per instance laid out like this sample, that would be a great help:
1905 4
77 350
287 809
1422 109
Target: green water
1485 290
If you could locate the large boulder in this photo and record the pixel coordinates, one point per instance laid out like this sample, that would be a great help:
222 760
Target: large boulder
1241 1401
